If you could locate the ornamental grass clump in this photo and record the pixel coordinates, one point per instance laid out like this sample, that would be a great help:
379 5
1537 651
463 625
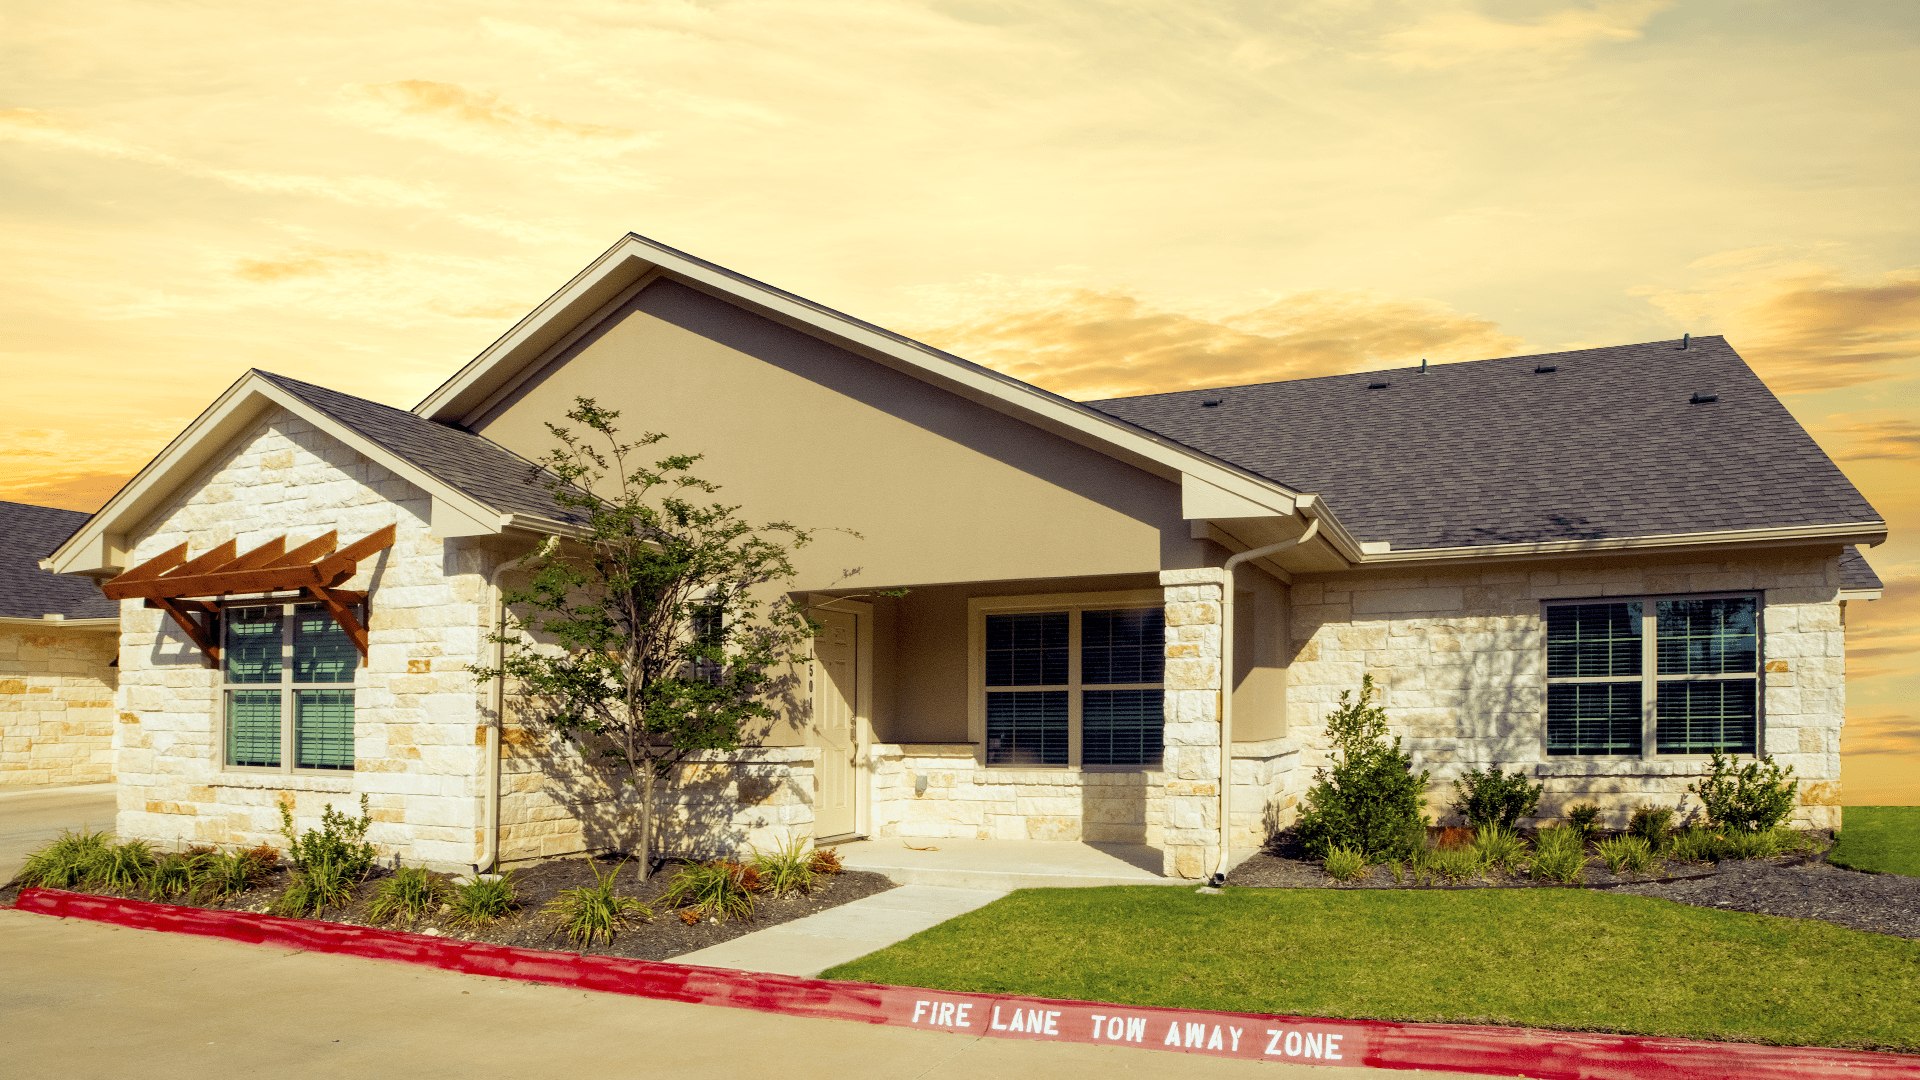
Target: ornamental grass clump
1697 844
175 874
1495 798
483 900
1345 864
1452 863
719 890
411 892
594 911
1369 799
66 862
230 873
786 869
1559 854
1626 854
122 867
1498 847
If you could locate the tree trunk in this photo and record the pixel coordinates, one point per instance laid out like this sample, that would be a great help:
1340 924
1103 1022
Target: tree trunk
645 841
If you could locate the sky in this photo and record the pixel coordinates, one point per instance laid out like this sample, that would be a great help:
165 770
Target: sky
1101 198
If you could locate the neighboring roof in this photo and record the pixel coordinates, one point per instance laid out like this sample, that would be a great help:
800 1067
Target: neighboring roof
27 535
476 466
1609 444
1855 574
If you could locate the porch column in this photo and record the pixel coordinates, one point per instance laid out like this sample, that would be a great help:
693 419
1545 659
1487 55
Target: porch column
1192 763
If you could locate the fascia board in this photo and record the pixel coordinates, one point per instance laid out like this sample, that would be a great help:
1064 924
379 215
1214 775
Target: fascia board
633 258
231 414
1860 594
1866 533
58 624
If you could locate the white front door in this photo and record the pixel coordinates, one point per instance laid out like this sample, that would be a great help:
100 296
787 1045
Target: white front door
835 726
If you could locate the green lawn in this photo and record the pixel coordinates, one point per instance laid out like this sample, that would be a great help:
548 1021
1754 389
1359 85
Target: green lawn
1883 839
1563 958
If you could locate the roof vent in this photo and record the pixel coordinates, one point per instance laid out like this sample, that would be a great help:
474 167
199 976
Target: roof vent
1701 397
1544 368
1211 403
1377 386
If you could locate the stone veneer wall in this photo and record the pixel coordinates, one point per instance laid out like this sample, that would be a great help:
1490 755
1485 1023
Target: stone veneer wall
415 703
1460 655
964 799
56 704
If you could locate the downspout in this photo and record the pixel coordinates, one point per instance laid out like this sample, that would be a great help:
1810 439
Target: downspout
1226 680
490 793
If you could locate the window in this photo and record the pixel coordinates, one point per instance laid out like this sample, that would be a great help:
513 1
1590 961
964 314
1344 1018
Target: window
288 699
1680 675
1074 686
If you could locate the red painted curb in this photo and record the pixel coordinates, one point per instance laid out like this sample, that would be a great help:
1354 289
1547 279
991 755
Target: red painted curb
1545 1055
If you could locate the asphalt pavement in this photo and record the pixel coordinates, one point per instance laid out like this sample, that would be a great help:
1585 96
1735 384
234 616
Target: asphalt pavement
32 818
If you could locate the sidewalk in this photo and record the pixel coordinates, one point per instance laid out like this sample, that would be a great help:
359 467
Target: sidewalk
85 1000
809 946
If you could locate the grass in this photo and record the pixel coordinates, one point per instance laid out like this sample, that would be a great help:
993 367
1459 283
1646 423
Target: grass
1879 839
1555 958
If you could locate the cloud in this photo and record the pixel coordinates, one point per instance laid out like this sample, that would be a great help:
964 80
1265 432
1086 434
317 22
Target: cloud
1092 343
478 122
308 263
1882 440
1883 636
1452 38
85 491
56 467
1804 325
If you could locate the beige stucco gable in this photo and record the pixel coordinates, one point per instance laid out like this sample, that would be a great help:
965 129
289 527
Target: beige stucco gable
941 488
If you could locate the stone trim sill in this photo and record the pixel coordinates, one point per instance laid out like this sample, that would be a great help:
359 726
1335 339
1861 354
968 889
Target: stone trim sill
282 782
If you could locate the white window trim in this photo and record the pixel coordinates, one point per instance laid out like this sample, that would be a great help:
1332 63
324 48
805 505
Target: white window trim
289 752
979 607
1650 677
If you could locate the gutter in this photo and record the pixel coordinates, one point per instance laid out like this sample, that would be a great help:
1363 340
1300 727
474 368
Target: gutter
1226 681
490 791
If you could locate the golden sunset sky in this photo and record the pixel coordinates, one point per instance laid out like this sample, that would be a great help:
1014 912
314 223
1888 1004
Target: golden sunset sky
1102 198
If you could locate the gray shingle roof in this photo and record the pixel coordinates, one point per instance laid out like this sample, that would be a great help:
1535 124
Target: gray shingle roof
1489 452
27 535
1854 571
471 464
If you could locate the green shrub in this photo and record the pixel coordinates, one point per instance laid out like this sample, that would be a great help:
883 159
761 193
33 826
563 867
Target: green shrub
1495 798
1753 798
717 889
1370 800
1627 853
411 892
1582 818
1652 824
594 911
1494 846
340 842
66 862
787 868
122 867
1345 864
484 899
1559 854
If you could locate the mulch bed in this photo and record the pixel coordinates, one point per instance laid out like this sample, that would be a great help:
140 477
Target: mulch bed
1794 886
663 938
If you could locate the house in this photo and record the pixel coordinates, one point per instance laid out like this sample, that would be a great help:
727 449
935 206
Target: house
1596 566
58 641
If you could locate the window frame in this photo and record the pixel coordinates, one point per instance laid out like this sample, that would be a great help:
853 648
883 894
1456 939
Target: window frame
978 608
287 687
1650 679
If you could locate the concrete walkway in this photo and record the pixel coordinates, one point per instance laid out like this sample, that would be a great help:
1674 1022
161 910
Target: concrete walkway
86 1000
1005 865
811 945
30 818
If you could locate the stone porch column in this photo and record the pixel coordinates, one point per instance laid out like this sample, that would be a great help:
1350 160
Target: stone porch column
1192 763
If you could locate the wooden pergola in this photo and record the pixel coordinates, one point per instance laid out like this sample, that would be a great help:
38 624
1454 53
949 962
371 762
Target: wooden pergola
190 589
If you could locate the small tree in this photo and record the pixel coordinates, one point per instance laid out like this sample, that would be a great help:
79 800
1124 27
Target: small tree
662 639
1369 800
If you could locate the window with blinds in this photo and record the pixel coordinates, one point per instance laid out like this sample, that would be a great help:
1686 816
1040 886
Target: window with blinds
288 699
1091 673
1678 675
